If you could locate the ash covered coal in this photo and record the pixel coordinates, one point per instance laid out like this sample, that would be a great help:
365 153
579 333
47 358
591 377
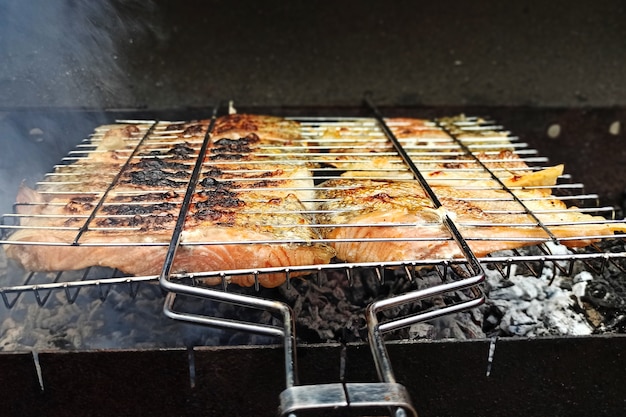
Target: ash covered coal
109 317
592 299
531 306
329 308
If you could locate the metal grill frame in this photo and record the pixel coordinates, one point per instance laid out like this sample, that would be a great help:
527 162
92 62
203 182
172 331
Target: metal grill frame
172 283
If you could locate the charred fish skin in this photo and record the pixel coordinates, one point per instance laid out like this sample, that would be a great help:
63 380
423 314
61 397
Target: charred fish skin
248 211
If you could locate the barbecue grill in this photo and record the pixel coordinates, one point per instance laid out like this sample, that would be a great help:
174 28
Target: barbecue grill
465 273
435 377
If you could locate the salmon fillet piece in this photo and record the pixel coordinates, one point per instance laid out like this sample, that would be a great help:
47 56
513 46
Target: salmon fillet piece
370 218
249 209
401 212
438 157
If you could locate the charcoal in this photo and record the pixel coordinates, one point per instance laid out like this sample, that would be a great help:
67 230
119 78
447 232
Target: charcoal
333 308
328 307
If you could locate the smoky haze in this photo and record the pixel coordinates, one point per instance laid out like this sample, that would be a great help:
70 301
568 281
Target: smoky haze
68 52
64 53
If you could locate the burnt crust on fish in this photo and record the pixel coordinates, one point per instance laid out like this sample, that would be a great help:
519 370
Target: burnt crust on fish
238 210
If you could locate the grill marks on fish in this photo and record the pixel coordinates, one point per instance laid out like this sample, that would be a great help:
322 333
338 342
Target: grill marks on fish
160 164
157 172
158 178
239 146
255 204
168 195
164 221
398 210
134 209
217 204
181 151
254 191
490 220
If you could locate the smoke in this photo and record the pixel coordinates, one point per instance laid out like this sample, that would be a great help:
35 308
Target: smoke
63 55
72 53
67 55
118 322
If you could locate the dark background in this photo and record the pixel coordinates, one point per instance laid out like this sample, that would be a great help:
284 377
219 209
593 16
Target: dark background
528 64
178 54
531 64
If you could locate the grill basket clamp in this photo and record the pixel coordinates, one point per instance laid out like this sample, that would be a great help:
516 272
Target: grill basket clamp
386 394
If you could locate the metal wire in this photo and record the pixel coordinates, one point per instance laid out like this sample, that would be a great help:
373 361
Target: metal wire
329 145
477 275
323 148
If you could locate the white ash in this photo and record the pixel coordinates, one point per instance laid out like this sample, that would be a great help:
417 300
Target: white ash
579 285
532 306
521 305
329 310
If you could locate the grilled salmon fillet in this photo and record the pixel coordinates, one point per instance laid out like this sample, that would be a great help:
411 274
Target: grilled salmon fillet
439 158
117 204
255 205
373 221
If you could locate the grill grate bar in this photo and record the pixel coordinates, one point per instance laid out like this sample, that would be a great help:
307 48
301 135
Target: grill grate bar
495 178
180 221
375 328
85 225
369 124
495 260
